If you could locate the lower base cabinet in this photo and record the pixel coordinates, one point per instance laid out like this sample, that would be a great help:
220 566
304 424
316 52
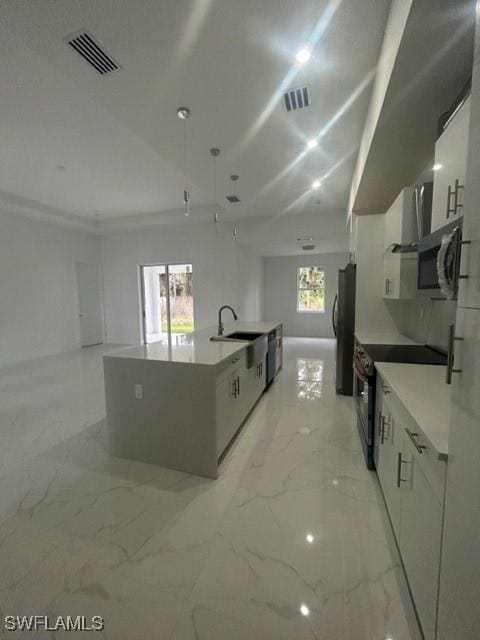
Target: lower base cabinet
420 536
237 391
412 480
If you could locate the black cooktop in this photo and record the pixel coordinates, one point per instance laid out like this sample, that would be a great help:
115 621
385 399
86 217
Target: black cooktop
412 354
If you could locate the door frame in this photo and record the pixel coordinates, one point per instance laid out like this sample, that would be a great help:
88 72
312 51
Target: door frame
143 318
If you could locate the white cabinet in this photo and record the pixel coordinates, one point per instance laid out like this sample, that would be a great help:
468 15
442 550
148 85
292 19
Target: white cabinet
400 220
451 158
413 481
227 405
390 437
469 288
400 276
459 616
400 269
237 391
420 534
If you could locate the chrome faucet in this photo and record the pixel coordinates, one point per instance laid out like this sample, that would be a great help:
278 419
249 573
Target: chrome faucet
220 323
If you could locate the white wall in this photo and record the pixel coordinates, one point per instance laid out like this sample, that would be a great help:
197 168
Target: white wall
249 284
38 290
280 293
223 273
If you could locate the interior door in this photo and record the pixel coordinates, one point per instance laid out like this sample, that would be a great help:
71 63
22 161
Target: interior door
89 304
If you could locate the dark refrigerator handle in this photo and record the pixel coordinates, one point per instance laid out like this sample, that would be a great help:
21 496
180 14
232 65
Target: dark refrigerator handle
334 311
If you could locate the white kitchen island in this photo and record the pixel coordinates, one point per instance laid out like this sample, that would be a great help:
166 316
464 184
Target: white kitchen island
179 405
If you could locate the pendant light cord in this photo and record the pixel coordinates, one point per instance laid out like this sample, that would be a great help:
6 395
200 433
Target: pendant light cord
185 164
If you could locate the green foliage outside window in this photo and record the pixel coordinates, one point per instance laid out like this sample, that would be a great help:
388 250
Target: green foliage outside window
311 289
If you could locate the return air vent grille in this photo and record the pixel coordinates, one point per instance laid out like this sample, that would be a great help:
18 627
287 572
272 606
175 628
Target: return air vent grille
308 247
295 99
86 46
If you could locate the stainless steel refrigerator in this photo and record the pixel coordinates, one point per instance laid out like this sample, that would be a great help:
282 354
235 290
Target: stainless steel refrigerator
343 320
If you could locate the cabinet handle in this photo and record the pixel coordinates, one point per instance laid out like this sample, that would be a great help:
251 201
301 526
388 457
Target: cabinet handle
382 428
456 204
238 384
388 424
449 200
451 353
413 437
399 469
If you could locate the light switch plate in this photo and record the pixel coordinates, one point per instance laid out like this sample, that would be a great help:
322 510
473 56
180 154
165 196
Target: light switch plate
138 391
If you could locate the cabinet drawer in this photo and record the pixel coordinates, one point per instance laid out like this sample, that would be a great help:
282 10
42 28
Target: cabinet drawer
228 366
433 468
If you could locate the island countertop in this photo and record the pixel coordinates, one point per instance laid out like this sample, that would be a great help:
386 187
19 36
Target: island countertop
196 347
422 390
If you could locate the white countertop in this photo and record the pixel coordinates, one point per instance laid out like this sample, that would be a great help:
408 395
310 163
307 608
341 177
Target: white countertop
196 347
425 395
365 337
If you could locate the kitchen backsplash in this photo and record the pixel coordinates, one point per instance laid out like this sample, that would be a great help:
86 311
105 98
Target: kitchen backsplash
424 320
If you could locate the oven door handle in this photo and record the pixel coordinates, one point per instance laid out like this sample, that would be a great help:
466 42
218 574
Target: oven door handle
334 315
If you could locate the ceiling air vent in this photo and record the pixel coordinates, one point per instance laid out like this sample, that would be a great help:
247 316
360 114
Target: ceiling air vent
308 247
233 198
85 45
295 99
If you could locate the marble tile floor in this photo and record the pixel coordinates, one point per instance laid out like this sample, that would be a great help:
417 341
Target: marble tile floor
291 542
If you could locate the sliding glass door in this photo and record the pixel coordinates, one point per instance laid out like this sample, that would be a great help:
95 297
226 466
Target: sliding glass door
167 301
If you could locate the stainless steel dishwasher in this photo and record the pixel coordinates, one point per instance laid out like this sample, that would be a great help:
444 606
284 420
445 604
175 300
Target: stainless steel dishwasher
271 356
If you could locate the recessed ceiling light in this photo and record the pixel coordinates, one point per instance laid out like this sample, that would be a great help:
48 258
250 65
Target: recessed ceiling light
183 113
309 538
303 55
316 184
304 610
437 166
311 144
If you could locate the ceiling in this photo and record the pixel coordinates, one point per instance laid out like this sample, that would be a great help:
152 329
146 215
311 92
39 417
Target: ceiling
430 70
88 145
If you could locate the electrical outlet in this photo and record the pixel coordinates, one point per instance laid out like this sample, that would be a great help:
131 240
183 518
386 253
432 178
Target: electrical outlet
138 391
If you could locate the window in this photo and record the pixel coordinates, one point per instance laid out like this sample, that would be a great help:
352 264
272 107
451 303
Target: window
167 301
310 290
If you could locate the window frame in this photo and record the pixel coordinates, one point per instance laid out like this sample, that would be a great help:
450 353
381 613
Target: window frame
322 269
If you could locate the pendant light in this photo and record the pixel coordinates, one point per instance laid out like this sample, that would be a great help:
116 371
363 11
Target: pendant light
233 198
214 152
184 113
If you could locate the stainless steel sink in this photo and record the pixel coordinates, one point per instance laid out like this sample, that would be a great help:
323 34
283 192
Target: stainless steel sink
256 349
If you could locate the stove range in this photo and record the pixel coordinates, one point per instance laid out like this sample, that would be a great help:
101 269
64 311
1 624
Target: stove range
364 358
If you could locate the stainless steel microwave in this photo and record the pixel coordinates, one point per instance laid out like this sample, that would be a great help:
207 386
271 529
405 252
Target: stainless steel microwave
439 262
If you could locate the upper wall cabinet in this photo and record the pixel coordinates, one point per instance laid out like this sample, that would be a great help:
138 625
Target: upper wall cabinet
400 270
400 221
400 276
451 160
469 288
